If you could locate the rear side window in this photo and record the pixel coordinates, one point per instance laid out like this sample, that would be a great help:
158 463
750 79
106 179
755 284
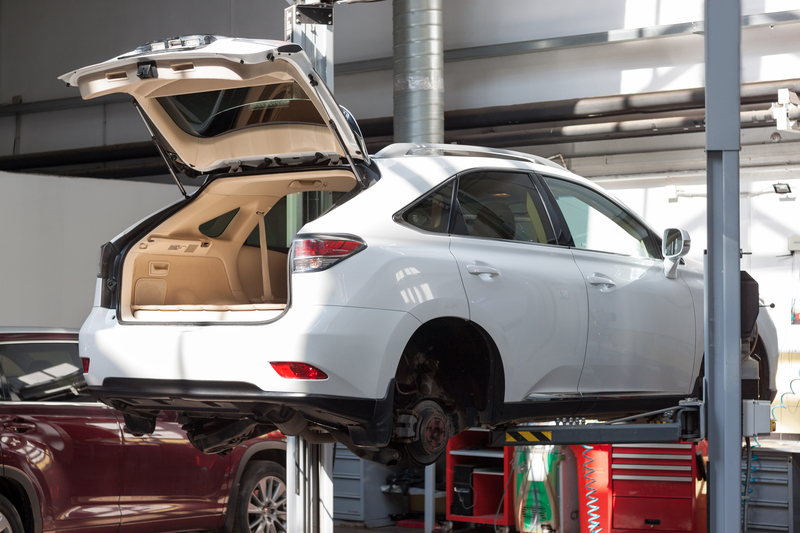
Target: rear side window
502 205
275 225
214 227
43 371
432 213
214 113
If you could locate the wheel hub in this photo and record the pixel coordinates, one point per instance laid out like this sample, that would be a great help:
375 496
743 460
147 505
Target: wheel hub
432 432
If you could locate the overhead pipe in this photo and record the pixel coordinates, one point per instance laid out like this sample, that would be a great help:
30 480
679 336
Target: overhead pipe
691 122
418 71
609 130
575 108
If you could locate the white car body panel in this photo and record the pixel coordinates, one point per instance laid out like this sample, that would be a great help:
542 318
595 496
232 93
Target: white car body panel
769 336
641 328
349 344
538 322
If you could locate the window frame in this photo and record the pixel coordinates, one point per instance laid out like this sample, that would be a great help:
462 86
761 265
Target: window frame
5 387
552 241
399 216
455 208
565 234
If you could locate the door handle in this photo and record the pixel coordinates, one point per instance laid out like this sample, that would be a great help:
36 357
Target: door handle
600 279
19 425
477 270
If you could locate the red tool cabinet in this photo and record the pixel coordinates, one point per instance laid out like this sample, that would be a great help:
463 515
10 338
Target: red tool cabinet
640 487
490 471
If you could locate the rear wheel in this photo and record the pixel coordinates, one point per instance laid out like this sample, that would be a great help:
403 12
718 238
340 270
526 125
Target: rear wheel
261 502
10 522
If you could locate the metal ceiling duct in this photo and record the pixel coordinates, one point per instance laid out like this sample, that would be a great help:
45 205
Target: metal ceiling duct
418 71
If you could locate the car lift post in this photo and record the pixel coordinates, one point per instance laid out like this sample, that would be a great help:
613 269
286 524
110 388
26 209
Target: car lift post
309 467
722 287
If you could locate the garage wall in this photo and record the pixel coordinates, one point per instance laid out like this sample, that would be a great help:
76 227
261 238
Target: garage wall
53 229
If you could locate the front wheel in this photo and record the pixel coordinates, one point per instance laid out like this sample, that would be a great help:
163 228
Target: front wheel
261 502
10 522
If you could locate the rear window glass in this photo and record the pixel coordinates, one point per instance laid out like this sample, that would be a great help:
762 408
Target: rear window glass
213 113
42 371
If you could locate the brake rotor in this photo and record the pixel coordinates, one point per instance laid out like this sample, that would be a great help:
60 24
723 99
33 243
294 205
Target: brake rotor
432 433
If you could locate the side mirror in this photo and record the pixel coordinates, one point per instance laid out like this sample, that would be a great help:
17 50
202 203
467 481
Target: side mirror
675 245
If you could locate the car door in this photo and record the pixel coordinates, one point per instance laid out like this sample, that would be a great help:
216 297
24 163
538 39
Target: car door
168 484
522 288
641 324
67 445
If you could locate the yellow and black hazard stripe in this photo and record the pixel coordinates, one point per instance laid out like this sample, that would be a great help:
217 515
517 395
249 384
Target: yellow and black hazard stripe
528 436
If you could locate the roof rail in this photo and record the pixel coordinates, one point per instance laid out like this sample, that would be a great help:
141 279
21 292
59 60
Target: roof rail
459 150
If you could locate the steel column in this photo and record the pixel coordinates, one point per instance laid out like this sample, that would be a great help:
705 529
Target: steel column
722 304
309 467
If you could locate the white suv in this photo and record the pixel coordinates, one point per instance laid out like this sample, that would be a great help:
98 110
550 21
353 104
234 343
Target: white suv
447 287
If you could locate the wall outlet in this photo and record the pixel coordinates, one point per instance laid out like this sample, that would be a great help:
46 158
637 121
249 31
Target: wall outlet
794 243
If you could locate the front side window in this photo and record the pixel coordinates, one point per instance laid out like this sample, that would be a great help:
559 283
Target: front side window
43 371
597 223
213 113
502 205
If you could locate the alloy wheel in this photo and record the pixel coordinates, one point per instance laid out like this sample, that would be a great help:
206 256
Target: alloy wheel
5 525
266 512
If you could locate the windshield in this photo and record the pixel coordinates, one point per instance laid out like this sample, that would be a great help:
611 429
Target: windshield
213 113
42 371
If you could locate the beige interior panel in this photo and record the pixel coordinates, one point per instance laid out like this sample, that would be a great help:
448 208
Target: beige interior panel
220 277
191 280
150 291
249 264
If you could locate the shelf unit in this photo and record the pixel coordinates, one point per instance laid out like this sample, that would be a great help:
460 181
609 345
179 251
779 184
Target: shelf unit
490 475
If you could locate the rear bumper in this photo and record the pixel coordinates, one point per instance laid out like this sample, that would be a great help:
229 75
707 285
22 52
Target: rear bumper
238 399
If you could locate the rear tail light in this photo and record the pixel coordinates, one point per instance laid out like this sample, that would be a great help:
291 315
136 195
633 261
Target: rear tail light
318 253
85 361
291 370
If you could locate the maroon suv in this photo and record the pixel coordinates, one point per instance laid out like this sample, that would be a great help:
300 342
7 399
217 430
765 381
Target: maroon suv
69 462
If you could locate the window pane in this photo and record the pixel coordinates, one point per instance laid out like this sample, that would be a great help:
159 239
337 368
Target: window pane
213 113
214 227
275 225
502 205
433 212
597 223
42 371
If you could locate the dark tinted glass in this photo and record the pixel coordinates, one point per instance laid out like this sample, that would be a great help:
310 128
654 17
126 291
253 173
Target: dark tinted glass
42 371
432 213
275 225
213 113
502 205
214 227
